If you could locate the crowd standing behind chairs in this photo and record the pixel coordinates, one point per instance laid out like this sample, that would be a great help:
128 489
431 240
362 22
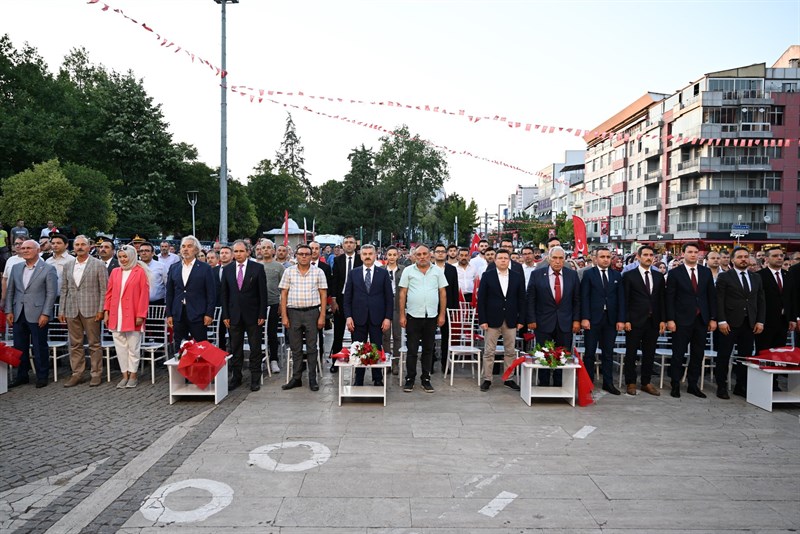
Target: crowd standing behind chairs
749 301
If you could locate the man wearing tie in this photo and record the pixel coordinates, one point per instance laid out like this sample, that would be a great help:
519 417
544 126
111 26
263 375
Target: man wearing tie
691 308
741 312
644 320
191 294
342 265
554 307
368 306
779 320
244 309
602 314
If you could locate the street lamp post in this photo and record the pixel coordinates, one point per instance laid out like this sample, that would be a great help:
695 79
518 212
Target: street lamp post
223 158
191 196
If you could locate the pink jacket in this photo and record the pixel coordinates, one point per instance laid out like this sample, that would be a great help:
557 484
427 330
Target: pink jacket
135 300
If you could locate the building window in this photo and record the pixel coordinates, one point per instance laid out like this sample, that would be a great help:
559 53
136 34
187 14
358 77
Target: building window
639 195
772 181
798 214
630 199
775 116
773 211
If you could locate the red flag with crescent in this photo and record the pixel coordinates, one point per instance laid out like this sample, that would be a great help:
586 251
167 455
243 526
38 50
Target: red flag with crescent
580 235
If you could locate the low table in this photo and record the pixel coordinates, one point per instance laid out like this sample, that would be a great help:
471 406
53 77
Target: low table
180 387
363 391
528 388
759 386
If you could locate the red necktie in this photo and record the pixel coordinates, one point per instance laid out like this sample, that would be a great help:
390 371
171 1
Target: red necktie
558 287
780 284
694 281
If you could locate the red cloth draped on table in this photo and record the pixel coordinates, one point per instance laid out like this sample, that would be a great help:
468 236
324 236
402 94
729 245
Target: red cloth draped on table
787 356
200 362
343 355
10 355
585 385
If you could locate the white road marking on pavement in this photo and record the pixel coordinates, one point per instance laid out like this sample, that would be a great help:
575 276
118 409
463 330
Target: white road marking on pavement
481 484
497 504
155 509
79 517
20 504
260 456
583 432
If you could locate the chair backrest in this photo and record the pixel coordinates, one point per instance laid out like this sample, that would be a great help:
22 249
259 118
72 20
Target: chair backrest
155 326
462 327
213 329
56 331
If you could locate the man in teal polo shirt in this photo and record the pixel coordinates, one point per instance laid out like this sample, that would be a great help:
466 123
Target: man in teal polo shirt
422 307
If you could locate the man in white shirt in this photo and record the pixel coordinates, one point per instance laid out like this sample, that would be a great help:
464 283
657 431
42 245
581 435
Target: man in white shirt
13 260
60 257
479 261
167 257
158 287
466 274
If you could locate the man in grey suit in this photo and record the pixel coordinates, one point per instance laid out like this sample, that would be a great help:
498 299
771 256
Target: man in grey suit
31 294
83 290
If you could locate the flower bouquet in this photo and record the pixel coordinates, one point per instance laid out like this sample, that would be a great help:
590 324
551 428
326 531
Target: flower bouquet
366 353
549 355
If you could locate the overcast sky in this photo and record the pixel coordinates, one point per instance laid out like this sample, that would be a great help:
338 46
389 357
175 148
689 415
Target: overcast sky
564 63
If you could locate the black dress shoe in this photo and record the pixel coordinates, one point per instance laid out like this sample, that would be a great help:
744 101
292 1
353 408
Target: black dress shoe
41 384
611 389
255 386
737 390
722 393
18 382
334 369
293 383
486 385
676 391
511 384
694 390
313 386
234 383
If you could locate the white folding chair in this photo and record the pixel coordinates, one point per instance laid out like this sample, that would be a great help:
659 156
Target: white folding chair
461 341
57 340
107 344
289 363
156 338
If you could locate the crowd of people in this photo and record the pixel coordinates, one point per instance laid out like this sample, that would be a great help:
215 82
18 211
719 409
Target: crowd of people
743 300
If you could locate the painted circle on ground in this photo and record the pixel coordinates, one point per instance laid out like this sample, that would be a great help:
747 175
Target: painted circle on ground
155 509
260 456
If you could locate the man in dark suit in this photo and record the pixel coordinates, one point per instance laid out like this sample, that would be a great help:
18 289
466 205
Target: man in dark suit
451 275
691 310
30 296
554 307
644 319
793 283
105 251
501 311
191 294
244 309
342 265
741 312
316 262
368 306
602 314
777 293
225 258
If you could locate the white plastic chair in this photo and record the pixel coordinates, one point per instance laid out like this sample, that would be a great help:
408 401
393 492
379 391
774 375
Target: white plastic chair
156 338
461 341
57 339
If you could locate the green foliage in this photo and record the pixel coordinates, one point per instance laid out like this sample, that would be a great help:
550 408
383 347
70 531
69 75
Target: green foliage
92 209
38 194
454 206
242 220
289 159
272 194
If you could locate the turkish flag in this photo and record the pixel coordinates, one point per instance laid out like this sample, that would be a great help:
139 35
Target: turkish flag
10 355
585 385
473 247
286 228
580 235
200 361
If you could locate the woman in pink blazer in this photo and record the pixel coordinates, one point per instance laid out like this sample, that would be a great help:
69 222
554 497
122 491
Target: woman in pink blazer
126 305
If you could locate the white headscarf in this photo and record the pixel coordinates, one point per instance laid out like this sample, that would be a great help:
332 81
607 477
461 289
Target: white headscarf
132 261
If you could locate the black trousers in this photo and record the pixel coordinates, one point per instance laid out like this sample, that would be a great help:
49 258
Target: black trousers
272 331
420 331
254 337
602 335
645 338
742 337
338 326
445 346
692 337
561 339
184 329
773 336
375 335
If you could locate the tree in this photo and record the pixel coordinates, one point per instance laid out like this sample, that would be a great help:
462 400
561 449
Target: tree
454 206
412 173
272 194
92 209
242 218
37 195
289 158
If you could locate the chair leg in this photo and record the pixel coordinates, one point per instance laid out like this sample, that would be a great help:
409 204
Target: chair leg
152 367
55 366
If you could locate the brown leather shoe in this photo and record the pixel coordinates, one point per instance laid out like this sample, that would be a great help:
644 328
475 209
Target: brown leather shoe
95 381
651 389
73 381
631 389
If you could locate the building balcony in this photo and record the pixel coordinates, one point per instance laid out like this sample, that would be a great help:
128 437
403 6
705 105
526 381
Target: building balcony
713 197
752 97
685 227
652 203
652 152
651 229
704 227
653 177
690 166
745 163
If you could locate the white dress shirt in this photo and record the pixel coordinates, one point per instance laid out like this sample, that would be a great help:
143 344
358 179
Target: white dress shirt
186 270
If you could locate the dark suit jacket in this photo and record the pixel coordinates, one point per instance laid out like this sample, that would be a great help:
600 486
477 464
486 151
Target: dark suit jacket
794 291
514 266
113 265
594 296
218 279
494 307
340 273
638 302
327 270
368 307
451 275
779 305
682 303
200 292
542 308
249 304
734 305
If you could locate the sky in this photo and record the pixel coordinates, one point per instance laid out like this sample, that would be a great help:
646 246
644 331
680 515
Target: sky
565 63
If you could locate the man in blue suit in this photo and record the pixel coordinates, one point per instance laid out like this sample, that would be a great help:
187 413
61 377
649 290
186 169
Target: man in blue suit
191 294
554 307
602 314
368 306
690 302
501 311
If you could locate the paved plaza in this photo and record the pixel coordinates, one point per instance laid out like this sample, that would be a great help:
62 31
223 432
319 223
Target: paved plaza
455 461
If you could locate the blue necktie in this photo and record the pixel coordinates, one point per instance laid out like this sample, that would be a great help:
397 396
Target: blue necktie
368 279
